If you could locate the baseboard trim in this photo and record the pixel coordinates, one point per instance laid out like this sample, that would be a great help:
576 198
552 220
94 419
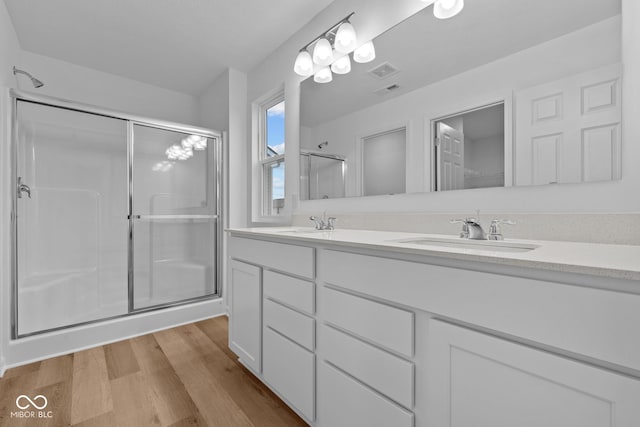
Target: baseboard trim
39 347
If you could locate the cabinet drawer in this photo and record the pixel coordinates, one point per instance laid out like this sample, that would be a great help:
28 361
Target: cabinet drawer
343 402
385 325
595 322
289 369
388 374
289 323
289 290
292 259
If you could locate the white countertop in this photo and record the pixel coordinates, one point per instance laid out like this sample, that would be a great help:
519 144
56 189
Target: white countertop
615 261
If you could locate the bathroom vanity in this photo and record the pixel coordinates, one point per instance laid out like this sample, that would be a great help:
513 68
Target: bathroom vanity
367 328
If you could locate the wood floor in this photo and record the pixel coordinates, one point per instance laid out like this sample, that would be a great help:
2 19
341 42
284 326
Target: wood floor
185 376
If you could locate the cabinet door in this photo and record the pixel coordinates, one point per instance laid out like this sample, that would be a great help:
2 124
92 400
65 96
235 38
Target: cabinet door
477 380
245 295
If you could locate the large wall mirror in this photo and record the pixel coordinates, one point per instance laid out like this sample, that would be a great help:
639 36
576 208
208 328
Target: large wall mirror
528 93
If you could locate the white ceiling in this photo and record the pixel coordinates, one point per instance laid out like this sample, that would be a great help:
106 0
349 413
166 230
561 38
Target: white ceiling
176 44
427 50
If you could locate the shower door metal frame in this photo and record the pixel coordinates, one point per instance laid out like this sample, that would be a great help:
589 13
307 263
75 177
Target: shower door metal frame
309 154
130 120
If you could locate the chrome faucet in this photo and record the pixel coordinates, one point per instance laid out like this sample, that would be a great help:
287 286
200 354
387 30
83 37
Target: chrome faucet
471 229
323 223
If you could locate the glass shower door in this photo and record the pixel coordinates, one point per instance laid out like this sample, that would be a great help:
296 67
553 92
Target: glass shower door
71 217
321 176
174 216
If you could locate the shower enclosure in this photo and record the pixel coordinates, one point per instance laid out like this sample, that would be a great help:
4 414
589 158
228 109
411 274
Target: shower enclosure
322 176
112 214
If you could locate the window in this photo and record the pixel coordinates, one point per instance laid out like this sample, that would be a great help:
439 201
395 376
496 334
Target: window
272 147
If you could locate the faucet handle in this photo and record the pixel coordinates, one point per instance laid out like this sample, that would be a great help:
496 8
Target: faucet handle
317 221
503 221
494 229
331 221
464 233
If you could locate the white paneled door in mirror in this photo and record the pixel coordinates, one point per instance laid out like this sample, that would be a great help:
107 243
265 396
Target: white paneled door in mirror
71 217
569 130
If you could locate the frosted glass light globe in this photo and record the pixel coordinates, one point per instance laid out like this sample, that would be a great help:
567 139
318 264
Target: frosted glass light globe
365 53
445 9
346 38
342 65
323 75
323 53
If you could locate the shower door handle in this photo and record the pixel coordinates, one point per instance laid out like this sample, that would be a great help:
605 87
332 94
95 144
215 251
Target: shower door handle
23 188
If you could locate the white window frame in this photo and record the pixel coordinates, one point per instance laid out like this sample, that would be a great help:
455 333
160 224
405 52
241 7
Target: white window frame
261 191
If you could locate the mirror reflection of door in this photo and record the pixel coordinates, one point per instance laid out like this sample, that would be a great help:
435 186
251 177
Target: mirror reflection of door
470 149
384 169
450 146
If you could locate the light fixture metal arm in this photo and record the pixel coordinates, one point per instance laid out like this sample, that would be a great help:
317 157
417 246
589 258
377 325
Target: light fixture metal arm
336 25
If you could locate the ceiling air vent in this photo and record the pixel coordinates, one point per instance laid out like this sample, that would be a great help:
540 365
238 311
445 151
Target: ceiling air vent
387 89
383 71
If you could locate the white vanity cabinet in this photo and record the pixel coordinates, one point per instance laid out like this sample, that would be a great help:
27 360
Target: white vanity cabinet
272 325
360 336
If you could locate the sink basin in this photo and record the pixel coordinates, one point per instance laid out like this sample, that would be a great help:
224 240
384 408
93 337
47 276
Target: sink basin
479 245
303 231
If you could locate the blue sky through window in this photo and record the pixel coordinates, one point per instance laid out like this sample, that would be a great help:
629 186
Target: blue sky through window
275 130
275 146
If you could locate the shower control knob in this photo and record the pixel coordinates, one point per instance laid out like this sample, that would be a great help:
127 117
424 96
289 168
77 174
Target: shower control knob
23 188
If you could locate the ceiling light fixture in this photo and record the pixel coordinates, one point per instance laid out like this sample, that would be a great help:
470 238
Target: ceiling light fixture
342 65
329 52
365 53
346 40
322 52
304 64
445 9
323 75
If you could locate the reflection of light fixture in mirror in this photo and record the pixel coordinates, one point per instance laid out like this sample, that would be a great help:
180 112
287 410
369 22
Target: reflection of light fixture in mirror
201 144
322 52
177 152
342 65
163 166
444 9
342 36
304 64
195 142
365 53
345 38
323 75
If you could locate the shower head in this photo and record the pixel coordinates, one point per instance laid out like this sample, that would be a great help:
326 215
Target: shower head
36 83
323 144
